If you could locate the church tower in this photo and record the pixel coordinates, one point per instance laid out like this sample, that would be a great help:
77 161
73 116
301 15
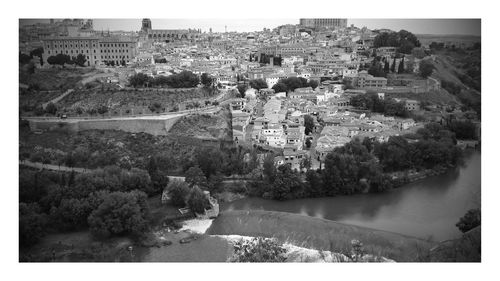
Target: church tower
146 25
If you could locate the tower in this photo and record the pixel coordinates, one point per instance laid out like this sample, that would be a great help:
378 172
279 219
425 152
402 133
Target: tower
146 25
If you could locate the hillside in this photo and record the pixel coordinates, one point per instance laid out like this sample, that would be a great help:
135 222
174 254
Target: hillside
460 75
204 126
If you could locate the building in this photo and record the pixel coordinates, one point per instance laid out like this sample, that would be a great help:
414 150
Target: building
412 105
328 23
167 35
97 50
366 80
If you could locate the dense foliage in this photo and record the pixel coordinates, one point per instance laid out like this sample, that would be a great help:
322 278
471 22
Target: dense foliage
120 213
258 250
386 106
361 166
185 79
292 83
426 68
258 84
470 220
59 201
404 40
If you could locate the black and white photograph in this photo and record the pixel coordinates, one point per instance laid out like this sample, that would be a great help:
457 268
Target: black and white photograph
209 139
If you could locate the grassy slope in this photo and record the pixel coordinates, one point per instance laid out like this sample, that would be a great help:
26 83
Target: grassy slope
205 126
129 98
465 249
319 234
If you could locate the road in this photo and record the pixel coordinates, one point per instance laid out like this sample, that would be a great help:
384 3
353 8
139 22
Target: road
159 116
41 166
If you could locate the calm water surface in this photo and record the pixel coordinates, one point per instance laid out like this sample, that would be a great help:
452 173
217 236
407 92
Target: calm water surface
429 208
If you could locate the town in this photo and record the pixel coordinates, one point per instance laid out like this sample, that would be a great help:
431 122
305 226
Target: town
183 121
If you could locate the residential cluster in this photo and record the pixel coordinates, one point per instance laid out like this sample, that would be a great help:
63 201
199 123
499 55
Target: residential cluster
327 51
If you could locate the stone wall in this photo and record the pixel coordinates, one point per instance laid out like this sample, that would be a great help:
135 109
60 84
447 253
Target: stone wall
150 126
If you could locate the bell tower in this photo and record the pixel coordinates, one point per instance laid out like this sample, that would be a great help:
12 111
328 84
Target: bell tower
146 25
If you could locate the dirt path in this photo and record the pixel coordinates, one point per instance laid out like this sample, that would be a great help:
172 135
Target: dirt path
57 99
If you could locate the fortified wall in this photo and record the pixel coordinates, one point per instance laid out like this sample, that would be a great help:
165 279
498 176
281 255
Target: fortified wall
151 126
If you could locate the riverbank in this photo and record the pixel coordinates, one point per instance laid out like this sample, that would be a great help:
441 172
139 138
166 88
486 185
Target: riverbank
319 234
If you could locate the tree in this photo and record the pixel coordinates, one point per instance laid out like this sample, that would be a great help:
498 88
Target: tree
198 201
138 80
401 67
313 84
71 214
195 176
80 60
102 109
23 58
31 224
51 108
470 220
179 192
258 84
293 83
269 168
185 79
38 52
308 143
280 87
206 80
426 68
159 178
242 88
314 184
308 124
59 59
155 107
386 67
393 65
120 213
463 129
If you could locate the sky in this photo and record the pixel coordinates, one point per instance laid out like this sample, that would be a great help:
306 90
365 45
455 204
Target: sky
417 26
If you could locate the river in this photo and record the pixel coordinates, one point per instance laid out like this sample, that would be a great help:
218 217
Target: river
428 208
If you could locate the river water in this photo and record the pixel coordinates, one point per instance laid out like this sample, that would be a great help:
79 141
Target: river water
428 209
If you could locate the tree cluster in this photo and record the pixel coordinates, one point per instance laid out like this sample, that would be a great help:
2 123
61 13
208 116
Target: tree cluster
470 220
360 166
62 59
185 79
435 147
387 106
258 84
292 83
404 40
426 68
109 201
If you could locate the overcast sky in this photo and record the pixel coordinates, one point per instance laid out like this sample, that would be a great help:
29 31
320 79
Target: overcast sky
418 26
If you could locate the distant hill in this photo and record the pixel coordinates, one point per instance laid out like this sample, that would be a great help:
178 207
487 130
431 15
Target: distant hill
458 40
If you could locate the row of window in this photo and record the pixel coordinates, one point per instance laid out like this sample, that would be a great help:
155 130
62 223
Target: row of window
87 51
102 45
107 45
95 57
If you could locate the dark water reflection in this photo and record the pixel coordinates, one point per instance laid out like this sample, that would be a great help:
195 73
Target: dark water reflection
428 208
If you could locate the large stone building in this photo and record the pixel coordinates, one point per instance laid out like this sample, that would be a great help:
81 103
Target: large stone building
167 35
97 50
322 23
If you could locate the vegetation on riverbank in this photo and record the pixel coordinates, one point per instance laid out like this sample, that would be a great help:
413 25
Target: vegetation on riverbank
357 167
